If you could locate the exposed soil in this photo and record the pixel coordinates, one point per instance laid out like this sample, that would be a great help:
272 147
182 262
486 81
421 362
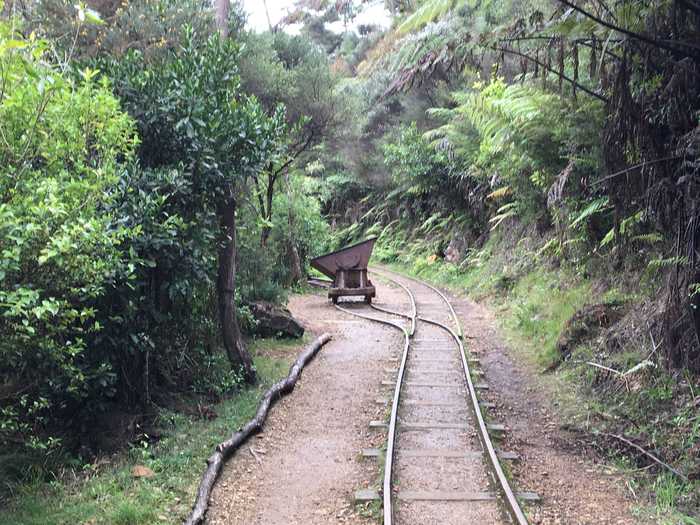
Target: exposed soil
306 466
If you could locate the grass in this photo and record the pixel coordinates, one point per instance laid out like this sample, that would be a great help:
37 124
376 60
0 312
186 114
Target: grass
109 494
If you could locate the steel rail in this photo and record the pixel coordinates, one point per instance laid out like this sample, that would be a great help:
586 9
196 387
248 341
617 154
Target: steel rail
414 312
455 318
389 459
512 503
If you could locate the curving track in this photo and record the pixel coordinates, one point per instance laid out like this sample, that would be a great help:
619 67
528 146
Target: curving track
440 463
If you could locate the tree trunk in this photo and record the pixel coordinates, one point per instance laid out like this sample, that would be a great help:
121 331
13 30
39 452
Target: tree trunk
267 209
222 13
269 20
233 342
296 272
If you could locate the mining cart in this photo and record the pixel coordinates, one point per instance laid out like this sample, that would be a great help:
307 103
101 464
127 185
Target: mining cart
348 269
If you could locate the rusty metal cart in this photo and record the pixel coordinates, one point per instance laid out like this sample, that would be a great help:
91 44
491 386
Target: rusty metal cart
348 269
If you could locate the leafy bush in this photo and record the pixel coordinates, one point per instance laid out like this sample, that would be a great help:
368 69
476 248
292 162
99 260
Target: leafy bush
201 141
59 248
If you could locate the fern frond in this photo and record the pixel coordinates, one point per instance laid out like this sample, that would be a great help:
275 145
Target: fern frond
594 207
649 238
430 11
668 262
609 237
504 212
631 221
499 193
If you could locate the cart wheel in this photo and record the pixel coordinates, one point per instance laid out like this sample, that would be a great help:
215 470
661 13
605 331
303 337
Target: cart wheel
368 299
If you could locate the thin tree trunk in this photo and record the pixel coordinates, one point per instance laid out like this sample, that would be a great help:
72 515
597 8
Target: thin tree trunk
222 13
269 20
233 341
226 283
267 210
296 273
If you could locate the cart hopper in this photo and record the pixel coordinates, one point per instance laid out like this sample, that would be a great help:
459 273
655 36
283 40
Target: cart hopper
348 269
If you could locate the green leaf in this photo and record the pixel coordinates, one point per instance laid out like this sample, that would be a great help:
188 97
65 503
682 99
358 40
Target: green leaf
594 207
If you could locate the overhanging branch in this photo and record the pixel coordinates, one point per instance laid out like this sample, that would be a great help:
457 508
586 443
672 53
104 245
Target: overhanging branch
680 53
548 68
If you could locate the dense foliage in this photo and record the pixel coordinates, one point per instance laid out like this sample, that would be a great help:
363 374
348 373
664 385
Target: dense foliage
61 242
127 174
533 151
580 119
156 176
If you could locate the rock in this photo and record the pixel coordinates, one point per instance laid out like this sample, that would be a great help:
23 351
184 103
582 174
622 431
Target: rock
272 321
456 250
585 323
141 471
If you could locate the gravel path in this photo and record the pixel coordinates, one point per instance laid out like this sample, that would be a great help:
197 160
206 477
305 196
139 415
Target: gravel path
306 466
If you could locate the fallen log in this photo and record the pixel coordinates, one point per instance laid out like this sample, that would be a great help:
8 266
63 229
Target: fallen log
227 448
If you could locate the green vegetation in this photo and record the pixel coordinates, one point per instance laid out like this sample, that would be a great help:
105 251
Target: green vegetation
534 305
131 242
106 491
161 169
536 156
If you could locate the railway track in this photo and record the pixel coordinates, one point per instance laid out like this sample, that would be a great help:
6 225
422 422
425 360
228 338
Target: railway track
440 463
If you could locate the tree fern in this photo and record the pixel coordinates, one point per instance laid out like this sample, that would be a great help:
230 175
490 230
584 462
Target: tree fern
502 117
430 11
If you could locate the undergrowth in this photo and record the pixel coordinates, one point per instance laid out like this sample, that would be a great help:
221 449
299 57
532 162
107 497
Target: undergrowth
106 492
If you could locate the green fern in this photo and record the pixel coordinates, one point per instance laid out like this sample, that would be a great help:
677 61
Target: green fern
503 213
668 262
430 11
490 120
594 207
648 238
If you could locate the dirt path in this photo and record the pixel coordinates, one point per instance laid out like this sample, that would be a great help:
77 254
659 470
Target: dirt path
308 464
576 489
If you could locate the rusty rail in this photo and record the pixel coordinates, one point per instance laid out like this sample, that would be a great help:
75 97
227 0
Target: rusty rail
389 459
414 312
455 317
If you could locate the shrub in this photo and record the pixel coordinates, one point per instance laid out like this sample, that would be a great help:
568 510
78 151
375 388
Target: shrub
59 249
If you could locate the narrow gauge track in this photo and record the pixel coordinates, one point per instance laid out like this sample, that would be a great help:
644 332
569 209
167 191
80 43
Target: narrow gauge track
434 383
